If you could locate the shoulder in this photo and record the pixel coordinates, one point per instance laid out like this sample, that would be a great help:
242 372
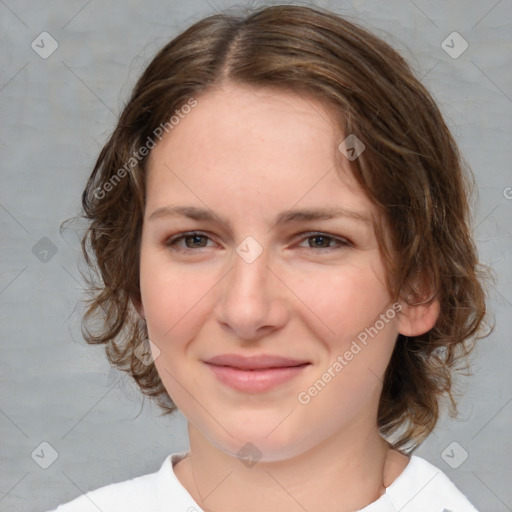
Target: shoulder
140 493
422 486
135 494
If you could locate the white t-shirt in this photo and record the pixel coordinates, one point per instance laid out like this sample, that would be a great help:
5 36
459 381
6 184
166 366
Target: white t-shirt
421 487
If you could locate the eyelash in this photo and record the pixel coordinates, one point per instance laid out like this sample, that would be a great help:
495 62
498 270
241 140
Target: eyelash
171 242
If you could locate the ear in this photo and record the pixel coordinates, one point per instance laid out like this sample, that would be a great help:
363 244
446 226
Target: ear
418 319
420 307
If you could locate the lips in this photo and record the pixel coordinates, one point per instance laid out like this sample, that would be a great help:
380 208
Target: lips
255 374
260 362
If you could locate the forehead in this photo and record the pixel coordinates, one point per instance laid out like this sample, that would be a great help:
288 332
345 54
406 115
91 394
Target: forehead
263 146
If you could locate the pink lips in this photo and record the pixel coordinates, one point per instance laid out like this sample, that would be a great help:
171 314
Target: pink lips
254 374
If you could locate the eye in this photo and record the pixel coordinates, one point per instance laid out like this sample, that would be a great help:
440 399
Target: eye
198 240
192 240
324 241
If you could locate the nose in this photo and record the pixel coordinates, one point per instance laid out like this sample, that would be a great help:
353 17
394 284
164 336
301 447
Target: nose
252 301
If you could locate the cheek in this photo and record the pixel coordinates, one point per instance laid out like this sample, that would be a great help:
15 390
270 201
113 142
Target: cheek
340 304
173 299
176 304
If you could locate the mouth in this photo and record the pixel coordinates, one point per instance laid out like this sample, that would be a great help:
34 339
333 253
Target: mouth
255 374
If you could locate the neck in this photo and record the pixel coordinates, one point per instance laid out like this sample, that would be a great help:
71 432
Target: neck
344 473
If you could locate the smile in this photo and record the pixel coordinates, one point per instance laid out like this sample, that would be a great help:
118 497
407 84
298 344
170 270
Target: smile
255 374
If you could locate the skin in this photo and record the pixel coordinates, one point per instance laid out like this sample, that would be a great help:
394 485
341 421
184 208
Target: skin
246 155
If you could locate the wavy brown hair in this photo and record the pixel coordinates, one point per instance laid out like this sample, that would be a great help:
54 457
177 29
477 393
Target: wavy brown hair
411 169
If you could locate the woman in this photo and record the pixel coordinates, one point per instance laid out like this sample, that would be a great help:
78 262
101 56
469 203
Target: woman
280 224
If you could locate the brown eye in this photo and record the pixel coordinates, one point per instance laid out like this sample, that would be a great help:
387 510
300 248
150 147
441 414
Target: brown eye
188 241
324 241
320 241
193 241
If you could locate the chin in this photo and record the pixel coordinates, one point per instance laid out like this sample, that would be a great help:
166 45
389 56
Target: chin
263 439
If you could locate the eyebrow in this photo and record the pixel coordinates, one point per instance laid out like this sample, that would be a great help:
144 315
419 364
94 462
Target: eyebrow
285 217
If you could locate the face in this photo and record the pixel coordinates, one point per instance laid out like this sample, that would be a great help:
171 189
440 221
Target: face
261 275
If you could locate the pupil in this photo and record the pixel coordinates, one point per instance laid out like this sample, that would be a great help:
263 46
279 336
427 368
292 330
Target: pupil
195 241
321 241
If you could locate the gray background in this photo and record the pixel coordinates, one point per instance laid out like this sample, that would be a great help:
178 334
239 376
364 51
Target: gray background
57 113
